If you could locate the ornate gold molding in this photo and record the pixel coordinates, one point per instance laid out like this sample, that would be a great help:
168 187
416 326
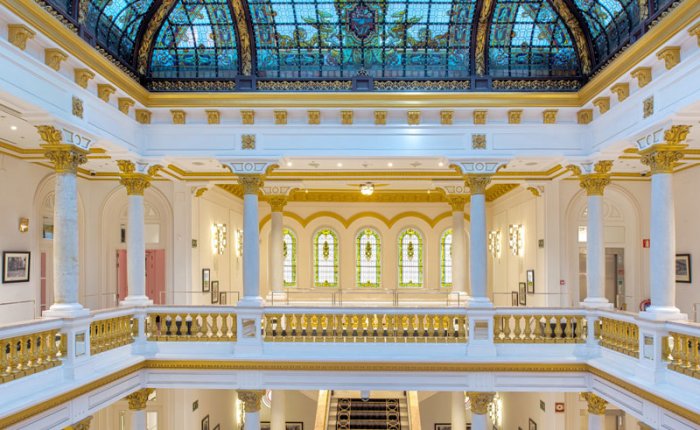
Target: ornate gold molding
413 117
648 107
480 402
347 117
105 91
584 116
179 116
213 117
83 76
247 141
313 117
515 116
251 399
642 75
143 116
478 141
250 183
622 90
695 31
446 117
245 47
579 38
19 35
379 117
661 158
481 30
280 117
83 424
54 57
77 107
671 56
596 405
549 116
138 399
248 117
643 10
594 183
477 183
457 202
480 116
124 104
135 182
277 203
602 103
65 158
147 40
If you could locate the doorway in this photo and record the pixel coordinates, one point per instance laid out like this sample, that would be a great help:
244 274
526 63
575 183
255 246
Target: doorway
155 275
614 276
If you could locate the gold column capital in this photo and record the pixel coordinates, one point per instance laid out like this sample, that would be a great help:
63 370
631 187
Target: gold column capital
83 424
53 58
602 103
642 75
584 116
277 203
477 183
124 104
137 400
19 35
515 116
135 182
65 158
251 183
457 201
622 90
594 183
661 158
143 116
596 405
480 402
671 56
251 399
105 91
83 76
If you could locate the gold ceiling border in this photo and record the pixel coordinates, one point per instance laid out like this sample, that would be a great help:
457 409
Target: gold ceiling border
246 49
147 41
574 26
482 27
347 222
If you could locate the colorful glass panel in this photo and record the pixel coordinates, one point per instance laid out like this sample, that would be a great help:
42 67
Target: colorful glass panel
410 258
446 258
289 258
115 23
610 23
326 258
379 38
529 39
368 262
197 40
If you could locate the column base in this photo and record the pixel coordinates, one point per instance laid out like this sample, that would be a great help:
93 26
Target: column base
596 303
251 302
134 301
479 302
663 313
66 310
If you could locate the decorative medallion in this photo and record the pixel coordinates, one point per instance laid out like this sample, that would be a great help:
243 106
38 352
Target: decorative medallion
362 21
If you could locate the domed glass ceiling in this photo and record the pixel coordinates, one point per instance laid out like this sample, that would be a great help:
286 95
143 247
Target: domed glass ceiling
363 45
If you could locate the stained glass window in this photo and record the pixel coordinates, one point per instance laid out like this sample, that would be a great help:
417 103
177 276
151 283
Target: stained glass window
446 258
529 39
197 40
610 23
380 38
368 247
410 258
289 255
116 23
325 258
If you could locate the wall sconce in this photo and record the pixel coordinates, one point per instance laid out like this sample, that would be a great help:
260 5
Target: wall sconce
218 238
495 243
515 238
238 239
23 225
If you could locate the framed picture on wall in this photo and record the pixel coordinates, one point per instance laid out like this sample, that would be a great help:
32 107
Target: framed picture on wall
294 425
683 268
531 281
222 298
15 266
206 283
514 298
205 423
531 424
214 292
522 294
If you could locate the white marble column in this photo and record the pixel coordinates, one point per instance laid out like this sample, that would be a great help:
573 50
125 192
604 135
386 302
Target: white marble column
477 240
66 159
459 260
251 245
459 413
661 159
138 420
277 410
596 411
275 245
137 405
251 400
479 403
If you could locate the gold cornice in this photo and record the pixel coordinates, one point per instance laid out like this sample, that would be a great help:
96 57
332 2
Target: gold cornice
245 49
481 30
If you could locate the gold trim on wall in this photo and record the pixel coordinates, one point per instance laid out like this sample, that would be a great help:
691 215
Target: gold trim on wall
347 222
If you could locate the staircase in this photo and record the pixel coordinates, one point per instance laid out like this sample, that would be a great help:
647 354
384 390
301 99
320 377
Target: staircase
373 414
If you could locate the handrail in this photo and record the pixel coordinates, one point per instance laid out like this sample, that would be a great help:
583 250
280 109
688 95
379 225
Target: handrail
339 297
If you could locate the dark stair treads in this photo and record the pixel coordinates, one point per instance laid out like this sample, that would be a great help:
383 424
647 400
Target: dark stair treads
373 414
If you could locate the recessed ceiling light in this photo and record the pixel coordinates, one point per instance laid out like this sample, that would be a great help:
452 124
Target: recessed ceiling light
289 164
441 164
390 164
339 164
13 127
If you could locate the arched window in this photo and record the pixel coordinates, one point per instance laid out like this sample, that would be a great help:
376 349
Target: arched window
289 252
410 258
326 258
446 258
367 248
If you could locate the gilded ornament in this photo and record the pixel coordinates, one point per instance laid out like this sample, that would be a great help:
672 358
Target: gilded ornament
105 91
379 117
622 90
648 107
124 104
304 85
83 76
277 203
83 8
248 117
695 31
83 424
499 190
200 191
65 158
314 117
137 400
143 116
166 85
147 40
515 116
135 182
457 202
536 84
594 183
478 141
248 141
676 135
477 183
480 402
642 75
244 47
251 399
671 55
250 183
19 35
549 116
213 117
643 426
346 117
643 10
77 108
54 57
50 135
535 191
413 117
584 116
481 30
382 85
480 116
602 103
446 117
179 116
661 160
596 405
280 117
573 24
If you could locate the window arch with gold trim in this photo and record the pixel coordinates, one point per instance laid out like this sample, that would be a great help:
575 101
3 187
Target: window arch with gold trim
410 253
289 253
325 258
446 259
368 258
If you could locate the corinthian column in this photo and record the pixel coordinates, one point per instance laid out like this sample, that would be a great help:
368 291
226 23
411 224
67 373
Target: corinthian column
251 401
479 403
596 411
276 251
459 278
477 240
66 159
661 158
137 405
251 247
136 183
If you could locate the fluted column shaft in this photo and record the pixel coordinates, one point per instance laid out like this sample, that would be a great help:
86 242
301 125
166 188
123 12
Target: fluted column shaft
477 241
251 245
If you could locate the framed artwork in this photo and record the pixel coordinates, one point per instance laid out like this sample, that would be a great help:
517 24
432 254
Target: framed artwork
205 423
514 298
522 294
222 298
531 424
15 266
217 427
542 406
214 292
683 268
531 281
206 283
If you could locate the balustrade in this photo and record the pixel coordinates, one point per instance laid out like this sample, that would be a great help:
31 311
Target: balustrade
618 335
365 327
110 333
683 353
539 328
30 353
214 325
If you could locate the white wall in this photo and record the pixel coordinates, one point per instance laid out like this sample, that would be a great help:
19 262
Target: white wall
300 406
688 237
519 408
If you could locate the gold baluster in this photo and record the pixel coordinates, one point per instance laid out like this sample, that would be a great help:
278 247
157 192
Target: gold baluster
506 328
517 332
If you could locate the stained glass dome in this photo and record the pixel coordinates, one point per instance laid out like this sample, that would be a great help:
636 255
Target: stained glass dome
362 45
